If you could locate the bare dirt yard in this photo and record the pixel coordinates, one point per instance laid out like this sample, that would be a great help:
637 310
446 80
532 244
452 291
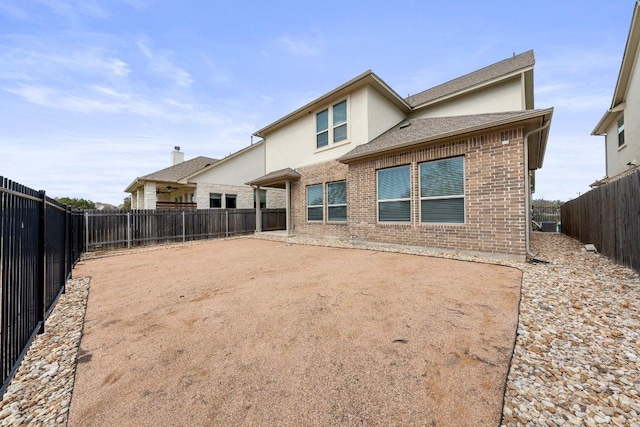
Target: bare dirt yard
253 332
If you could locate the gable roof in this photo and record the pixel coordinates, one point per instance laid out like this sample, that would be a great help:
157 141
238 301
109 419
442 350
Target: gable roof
479 78
413 132
629 58
225 159
174 173
366 78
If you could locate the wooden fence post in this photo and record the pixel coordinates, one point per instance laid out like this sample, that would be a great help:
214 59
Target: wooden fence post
129 230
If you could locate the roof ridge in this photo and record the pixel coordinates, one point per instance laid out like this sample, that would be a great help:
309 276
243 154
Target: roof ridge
457 84
180 165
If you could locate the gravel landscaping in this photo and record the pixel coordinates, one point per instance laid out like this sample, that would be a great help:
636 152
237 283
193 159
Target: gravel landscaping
576 359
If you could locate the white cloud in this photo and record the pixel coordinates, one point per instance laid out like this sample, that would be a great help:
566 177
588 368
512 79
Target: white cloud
160 64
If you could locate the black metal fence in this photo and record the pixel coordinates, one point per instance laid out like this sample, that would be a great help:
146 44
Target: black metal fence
126 229
609 218
545 213
40 242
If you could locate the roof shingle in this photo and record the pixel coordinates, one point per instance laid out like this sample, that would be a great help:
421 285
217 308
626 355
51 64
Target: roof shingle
502 68
181 170
416 131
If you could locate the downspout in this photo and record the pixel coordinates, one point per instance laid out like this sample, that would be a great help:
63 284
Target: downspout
527 186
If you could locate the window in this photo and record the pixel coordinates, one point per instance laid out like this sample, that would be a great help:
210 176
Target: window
337 201
230 201
337 116
621 131
322 129
442 191
340 121
215 200
314 202
263 199
394 194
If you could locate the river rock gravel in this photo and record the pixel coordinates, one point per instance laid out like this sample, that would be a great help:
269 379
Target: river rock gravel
576 359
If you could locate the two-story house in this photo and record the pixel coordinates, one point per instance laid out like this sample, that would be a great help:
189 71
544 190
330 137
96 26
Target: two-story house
451 167
620 124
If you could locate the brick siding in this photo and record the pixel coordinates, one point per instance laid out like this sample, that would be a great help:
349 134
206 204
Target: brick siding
494 197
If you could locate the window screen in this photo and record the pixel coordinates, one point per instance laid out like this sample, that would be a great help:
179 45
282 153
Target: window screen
314 202
442 191
394 194
337 201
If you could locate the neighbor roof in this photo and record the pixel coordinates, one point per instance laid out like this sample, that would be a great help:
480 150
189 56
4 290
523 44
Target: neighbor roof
517 63
418 131
175 173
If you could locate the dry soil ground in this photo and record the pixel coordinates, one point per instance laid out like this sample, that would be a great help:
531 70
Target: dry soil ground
250 332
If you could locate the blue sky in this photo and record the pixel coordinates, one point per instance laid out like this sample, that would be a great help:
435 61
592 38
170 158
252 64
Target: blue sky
95 93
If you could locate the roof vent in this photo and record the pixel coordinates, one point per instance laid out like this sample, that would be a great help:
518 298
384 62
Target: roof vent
405 125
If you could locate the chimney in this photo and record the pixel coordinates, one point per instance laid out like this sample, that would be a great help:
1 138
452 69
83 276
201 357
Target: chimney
176 156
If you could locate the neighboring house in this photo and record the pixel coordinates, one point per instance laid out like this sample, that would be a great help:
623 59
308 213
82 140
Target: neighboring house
621 123
204 182
450 167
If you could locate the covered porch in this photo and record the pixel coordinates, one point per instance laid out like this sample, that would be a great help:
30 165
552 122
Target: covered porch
281 179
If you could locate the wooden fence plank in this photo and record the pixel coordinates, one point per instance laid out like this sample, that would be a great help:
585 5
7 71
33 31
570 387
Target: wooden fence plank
609 218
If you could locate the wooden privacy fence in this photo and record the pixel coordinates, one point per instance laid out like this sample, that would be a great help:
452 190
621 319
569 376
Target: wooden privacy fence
40 241
122 229
608 217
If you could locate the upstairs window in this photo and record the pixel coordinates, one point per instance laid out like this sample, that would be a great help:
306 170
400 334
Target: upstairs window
338 131
442 191
337 201
621 131
215 200
322 129
394 194
315 205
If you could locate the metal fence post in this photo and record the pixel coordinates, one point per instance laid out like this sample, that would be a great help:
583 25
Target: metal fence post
129 230
184 231
86 230
226 221
42 259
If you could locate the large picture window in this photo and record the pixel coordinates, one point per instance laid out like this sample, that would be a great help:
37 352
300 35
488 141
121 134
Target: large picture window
337 201
338 131
394 194
442 191
314 202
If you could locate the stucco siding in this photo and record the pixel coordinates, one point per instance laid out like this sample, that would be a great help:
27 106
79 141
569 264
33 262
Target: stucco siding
237 170
382 115
505 96
294 145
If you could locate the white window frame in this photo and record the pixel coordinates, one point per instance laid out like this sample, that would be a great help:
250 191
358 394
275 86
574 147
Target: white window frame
335 205
447 197
407 199
620 123
315 206
331 126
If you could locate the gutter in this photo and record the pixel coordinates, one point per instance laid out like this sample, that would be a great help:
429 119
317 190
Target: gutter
527 186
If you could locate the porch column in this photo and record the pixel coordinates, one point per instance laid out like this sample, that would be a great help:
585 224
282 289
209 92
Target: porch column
287 191
256 198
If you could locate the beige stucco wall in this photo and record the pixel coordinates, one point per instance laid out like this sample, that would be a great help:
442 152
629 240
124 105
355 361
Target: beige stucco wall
235 170
618 157
294 145
506 96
